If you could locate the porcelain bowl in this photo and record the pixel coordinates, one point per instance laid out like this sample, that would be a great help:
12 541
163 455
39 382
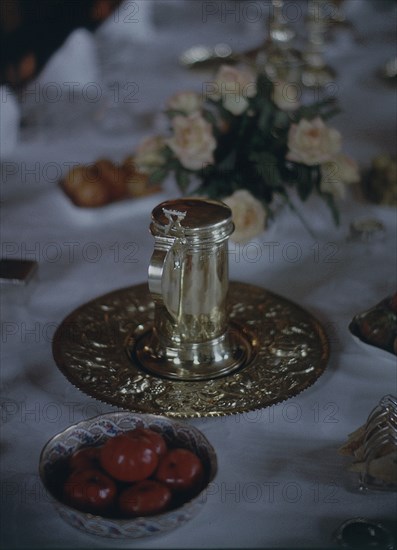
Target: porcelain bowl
95 431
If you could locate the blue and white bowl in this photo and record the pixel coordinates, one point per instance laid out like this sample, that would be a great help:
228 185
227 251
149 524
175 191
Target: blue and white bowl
95 431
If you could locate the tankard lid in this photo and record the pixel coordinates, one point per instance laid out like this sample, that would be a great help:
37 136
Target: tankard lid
197 219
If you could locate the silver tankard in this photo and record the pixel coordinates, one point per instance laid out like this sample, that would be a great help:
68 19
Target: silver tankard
191 338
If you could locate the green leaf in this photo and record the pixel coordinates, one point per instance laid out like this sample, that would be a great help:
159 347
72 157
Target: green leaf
168 154
301 218
171 113
209 117
158 175
173 164
329 199
264 88
305 180
329 114
281 119
182 179
264 117
325 109
267 168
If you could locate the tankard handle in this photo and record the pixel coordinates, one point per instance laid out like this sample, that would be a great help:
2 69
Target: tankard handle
166 249
163 254
156 270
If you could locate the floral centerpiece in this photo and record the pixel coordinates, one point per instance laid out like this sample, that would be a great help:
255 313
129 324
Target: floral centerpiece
244 141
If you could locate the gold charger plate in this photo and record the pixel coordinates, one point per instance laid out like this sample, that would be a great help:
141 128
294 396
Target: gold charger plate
289 351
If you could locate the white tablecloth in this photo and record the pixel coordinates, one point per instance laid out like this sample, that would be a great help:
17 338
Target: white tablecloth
281 482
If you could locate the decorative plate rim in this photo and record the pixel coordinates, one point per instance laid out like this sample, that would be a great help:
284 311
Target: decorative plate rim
286 383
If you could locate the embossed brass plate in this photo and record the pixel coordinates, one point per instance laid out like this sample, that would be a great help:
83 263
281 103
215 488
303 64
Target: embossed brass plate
93 347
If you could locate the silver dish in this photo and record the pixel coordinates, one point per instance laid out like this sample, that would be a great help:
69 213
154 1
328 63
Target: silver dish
95 347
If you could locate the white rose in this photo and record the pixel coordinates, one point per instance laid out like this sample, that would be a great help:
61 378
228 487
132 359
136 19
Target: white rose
234 86
285 97
331 184
347 168
149 154
192 142
312 142
186 102
249 216
336 173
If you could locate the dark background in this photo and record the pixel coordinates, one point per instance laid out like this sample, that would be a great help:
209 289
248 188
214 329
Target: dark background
31 30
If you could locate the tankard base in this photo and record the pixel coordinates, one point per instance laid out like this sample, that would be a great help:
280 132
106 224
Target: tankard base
199 361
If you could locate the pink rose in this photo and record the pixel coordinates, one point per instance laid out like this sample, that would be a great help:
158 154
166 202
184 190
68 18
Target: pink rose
234 86
149 154
285 96
192 142
312 142
338 172
186 102
347 168
249 216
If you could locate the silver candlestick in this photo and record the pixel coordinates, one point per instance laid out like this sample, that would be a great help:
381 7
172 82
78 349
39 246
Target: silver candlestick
278 59
316 73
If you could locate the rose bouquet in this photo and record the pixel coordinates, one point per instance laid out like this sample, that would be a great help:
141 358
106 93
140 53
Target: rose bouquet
245 141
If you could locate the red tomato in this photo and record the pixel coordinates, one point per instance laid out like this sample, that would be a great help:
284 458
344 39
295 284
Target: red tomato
180 470
85 458
145 498
90 490
156 438
127 458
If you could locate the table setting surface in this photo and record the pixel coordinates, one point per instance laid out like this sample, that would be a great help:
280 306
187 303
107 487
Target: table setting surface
281 482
